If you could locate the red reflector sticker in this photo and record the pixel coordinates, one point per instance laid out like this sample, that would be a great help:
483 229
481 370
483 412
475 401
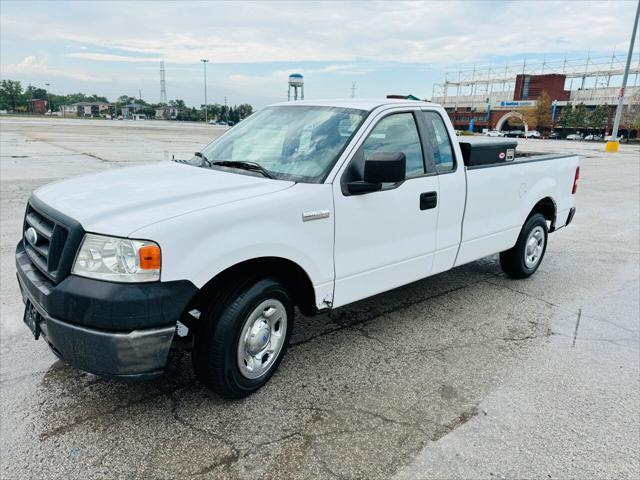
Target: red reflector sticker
501 156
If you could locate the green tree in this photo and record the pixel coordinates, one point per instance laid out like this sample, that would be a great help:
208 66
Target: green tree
566 117
631 112
245 110
11 94
576 117
36 92
543 111
580 116
599 117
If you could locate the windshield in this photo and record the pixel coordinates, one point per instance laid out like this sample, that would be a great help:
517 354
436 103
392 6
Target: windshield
291 142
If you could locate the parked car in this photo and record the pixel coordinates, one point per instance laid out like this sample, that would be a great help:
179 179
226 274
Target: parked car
532 134
495 133
610 138
217 250
554 136
593 137
515 134
574 136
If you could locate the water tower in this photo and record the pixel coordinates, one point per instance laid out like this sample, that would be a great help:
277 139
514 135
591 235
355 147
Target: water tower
296 81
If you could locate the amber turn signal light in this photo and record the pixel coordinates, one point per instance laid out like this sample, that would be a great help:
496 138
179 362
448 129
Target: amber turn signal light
150 257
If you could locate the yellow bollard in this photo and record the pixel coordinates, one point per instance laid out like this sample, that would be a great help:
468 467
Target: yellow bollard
611 147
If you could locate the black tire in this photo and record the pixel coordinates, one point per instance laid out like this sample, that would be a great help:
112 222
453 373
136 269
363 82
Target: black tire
216 344
513 261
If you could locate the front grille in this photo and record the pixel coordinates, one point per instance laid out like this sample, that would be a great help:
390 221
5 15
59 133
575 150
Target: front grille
45 248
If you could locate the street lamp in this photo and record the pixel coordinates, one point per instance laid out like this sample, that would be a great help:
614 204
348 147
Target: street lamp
49 98
206 108
612 145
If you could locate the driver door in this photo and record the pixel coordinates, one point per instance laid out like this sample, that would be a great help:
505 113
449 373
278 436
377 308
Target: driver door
387 238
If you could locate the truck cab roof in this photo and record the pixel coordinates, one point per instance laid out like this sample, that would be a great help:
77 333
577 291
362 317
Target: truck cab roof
366 104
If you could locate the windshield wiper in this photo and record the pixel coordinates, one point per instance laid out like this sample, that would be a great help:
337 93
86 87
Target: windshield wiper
251 166
204 158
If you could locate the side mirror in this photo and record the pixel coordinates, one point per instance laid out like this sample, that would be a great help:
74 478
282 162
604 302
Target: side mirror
385 167
379 168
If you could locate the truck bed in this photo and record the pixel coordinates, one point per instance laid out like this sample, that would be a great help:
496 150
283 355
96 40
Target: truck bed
491 224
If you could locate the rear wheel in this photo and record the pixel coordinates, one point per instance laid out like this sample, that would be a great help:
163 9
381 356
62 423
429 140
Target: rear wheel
525 257
244 338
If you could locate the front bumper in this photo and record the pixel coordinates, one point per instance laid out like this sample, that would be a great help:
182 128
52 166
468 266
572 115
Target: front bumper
121 330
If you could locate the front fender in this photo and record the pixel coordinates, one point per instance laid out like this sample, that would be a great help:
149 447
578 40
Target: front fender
200 245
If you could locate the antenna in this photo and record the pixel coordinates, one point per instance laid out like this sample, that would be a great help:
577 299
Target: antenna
163 85
353 89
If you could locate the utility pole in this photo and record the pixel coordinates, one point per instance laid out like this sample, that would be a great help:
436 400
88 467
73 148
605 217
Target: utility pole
206 107
49 98
612 146
353 90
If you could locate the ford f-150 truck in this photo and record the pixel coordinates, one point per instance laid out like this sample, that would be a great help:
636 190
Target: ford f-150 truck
307 204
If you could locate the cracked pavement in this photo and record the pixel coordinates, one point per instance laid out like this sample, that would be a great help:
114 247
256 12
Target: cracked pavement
466 374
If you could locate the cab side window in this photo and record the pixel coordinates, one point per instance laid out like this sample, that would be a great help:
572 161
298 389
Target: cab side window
438 143
396 133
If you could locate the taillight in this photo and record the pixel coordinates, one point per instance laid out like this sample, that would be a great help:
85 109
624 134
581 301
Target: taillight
575 181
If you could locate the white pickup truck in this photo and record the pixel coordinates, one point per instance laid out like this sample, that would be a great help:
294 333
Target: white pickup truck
307 204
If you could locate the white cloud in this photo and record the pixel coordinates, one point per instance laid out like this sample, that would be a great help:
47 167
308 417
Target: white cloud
105 57
410 32
28 64
32 65
395 45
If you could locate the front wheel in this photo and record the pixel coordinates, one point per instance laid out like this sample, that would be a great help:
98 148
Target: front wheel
525 257
244 340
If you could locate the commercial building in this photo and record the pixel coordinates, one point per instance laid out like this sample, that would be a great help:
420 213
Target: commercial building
487 98
92 109
37 105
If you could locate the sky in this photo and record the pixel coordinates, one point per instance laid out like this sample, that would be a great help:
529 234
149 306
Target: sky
398 47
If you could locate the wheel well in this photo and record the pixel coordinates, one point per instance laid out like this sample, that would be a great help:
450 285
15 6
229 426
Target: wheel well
290 273
546 207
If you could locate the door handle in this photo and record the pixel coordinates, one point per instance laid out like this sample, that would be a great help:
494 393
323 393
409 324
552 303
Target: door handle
428 200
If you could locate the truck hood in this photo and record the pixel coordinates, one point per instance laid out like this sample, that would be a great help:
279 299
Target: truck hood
122 200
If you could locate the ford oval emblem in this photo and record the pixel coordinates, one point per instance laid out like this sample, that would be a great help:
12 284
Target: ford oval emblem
31 235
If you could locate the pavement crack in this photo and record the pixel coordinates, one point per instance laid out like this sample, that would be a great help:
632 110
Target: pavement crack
515 290
367 335
525 338
226 461
54 432
445 429
575 332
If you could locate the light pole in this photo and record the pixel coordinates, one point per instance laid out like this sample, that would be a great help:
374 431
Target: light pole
612 146
49 98
206 107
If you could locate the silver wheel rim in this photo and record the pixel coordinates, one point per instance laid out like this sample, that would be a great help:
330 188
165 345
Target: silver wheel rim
262 338
534 247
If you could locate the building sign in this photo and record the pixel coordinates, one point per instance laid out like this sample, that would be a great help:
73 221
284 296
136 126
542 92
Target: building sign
513 103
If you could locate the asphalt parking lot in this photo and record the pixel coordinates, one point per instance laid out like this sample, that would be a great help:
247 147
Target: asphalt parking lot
466 374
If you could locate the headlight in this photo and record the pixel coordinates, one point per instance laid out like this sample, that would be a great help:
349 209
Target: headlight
118 259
